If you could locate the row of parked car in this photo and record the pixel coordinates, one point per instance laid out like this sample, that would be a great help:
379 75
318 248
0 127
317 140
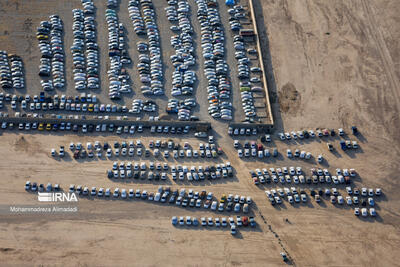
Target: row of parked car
183 79
125 148
150 175
88 7
254 150
236 12
244 70
51 46
183 197
75 127
169 144
189 198
200 173
305 134
364 212
11 77
102 126
294 195
218 222
55 99
301 154
287 175
91 46
136 17
139 105
138 170
150 59
35 187
209 152
78 48
83 102
243 131
226 168
276 197
182 108
57 49
246 87
118 77
5 71
215 65
112 3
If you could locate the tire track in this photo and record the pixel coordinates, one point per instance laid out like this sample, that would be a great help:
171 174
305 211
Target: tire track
383 50
275 234
254 190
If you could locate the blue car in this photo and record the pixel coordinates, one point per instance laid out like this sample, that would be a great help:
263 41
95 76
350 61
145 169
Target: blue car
252 222
174 220
343 145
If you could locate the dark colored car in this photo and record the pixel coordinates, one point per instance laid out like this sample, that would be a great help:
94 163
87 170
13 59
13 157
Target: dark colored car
106 146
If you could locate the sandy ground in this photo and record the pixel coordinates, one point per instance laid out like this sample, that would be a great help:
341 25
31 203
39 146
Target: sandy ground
332 64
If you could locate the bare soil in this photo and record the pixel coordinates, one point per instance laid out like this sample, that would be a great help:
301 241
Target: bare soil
330 64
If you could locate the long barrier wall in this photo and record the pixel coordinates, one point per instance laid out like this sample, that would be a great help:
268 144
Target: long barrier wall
260 58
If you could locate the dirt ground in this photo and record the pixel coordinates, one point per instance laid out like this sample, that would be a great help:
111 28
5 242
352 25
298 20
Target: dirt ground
330 64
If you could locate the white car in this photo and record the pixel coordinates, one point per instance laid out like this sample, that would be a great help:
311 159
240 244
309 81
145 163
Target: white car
214 205
357 211
364 212
349 190
123 193
100 193
116 193
239 221
371 192
372 212
378 191
364 192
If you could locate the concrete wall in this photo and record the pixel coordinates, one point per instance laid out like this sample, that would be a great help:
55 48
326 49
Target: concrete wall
260 58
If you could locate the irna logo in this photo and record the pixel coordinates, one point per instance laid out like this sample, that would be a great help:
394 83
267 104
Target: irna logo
57 197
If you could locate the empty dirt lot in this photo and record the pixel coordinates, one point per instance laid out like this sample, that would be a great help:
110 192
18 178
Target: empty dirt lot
333 64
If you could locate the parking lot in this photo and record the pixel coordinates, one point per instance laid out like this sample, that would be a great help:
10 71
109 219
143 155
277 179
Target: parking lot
31 56
318 219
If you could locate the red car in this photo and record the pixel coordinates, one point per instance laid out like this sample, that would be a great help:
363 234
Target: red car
245 220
